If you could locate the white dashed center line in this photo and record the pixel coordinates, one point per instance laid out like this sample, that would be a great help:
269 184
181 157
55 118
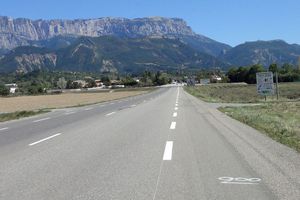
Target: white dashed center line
175 114
173 125
176 108
110 113
39 120
42 140
168 151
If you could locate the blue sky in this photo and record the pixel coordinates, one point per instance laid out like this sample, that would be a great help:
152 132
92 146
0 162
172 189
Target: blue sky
229 21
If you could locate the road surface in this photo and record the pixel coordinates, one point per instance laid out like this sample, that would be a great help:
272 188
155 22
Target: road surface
162 145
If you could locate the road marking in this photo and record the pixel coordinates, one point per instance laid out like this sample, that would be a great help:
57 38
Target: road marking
173 125
88 108
111 103
168 151
176 108
175 114
42 140
239 180
132 106
2 129
70 113
110 113
39 120
176 104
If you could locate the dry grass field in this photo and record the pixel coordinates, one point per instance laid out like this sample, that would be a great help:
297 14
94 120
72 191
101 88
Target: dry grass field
25 103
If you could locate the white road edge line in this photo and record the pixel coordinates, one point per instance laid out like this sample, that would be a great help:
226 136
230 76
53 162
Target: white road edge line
88 108
168 151
39 120
2 129
175 114
110 113
173 125
42 140
69 113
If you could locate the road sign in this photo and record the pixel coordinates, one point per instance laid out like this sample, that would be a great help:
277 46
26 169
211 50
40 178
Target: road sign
204 81
264 83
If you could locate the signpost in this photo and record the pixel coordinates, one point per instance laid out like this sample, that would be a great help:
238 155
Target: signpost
205 81
264 83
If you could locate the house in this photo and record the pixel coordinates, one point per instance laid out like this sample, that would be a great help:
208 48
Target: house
99 83
215 78
12 87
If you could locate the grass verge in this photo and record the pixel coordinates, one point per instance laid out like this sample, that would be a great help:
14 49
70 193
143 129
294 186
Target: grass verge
242 93
19 114
280 121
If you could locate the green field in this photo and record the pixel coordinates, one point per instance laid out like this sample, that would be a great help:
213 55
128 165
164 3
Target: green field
237 93
278 119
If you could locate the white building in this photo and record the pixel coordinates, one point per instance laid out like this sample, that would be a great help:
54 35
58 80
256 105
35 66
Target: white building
12 87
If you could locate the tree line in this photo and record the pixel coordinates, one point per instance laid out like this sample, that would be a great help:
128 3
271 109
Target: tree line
286 73
39 81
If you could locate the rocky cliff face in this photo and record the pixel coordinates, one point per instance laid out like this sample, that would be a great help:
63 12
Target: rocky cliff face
21 32
16 32
31 62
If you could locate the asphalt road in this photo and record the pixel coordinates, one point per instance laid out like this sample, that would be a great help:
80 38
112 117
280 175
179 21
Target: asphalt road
162 145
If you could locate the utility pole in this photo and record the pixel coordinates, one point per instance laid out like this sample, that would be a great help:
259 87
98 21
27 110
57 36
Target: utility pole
277 89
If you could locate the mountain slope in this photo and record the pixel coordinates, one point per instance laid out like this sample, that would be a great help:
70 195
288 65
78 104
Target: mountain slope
262 52
20 32
110 54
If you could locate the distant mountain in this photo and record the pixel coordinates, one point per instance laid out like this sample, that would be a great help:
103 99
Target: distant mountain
110 54
262 52
21 32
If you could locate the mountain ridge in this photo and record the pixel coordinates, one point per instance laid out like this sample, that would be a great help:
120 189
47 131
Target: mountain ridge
262 52
23 31
110 54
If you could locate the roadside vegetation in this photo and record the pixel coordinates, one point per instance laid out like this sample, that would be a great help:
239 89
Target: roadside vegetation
280 121
19 114
242 93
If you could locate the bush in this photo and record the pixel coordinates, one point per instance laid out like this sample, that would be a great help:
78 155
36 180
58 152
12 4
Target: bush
4 91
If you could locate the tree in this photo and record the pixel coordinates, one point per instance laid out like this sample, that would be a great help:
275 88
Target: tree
61 83
129 81
4 91
273 68
90 82
251 76
105 80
